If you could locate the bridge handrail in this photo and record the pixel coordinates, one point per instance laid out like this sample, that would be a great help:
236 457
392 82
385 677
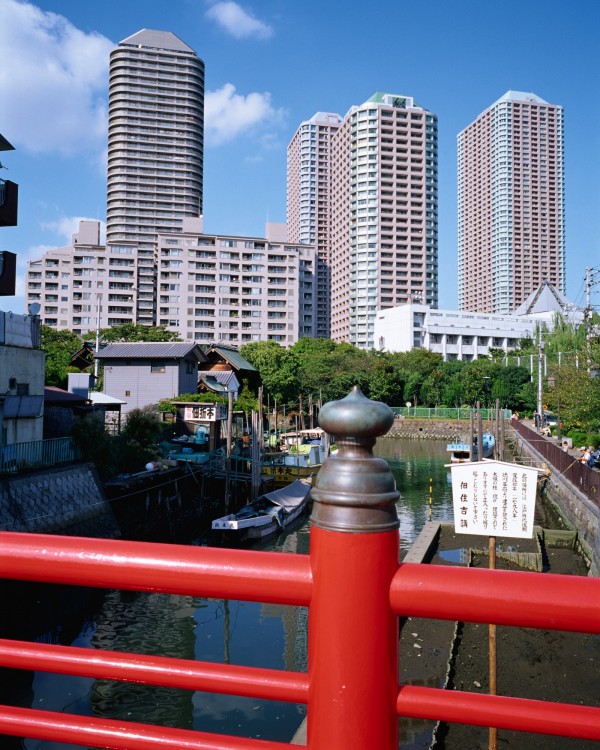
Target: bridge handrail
355 590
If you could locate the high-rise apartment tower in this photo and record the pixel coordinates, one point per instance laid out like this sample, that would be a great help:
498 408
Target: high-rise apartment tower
155 138
309 202
511 234
384 193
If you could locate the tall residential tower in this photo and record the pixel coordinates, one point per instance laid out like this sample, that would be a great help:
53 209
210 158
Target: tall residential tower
511 234
364 188
384 214
155 138
309 202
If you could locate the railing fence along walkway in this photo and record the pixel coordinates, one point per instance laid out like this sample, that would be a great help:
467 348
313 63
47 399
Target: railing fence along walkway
355 590
579 474
439 412
38 454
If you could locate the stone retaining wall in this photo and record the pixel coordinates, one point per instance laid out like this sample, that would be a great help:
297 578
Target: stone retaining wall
429 429
63 500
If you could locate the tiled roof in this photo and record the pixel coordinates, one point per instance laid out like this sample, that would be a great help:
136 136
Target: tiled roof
151 350
232 356
212 383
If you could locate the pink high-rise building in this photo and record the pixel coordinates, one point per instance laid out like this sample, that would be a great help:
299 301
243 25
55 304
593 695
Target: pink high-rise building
510 203
376 216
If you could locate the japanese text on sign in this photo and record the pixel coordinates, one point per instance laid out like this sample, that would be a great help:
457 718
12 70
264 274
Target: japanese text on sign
494 498
205 412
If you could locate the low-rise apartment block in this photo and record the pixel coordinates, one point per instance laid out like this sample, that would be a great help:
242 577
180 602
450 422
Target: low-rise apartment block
207 288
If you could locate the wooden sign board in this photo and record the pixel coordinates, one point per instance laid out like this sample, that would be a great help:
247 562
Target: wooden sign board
205 413
494 498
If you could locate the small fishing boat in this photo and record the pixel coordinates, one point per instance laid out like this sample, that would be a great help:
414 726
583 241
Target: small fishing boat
460 452
283 468
267 515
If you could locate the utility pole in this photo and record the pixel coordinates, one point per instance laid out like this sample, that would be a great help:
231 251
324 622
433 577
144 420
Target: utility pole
540 404
590 280
98 314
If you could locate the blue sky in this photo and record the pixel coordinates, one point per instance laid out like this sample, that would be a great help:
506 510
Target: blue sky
272 64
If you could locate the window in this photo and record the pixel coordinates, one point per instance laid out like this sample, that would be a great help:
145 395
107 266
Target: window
157 367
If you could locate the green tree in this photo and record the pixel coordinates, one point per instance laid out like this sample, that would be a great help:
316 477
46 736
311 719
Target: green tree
95 444
246 400
131 332
138 441
276 367
59 347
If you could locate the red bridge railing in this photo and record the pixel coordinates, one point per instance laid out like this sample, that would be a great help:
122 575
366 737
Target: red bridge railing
355 590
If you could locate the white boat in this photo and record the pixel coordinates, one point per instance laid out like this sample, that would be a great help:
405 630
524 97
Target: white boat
460 451
267 515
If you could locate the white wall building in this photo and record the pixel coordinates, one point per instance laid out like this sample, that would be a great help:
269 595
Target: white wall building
467 335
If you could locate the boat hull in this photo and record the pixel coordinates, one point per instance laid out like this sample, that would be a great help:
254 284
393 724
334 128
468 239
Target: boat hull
260 520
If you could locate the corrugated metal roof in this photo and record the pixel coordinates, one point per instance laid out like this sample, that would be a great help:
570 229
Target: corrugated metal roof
52 394
232 356
151 350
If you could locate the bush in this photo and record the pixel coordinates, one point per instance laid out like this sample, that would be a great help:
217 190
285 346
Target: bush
95 444
139 439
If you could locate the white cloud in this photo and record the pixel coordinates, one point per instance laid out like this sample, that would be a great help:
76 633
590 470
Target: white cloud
53 83
238 22
67 226
228 115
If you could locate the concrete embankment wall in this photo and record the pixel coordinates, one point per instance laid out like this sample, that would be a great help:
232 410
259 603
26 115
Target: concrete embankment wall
63 500
429 429
578 512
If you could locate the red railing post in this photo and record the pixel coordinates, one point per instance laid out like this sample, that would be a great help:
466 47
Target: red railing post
353 632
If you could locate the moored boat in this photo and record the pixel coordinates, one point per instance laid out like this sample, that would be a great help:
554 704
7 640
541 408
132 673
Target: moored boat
283 468
267 515
461 452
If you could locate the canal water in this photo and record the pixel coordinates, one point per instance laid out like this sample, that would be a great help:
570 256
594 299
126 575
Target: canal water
234 632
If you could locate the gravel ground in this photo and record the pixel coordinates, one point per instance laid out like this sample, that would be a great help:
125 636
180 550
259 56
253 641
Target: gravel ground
543 665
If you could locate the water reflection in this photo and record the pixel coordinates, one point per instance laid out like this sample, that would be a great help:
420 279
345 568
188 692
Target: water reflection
418 465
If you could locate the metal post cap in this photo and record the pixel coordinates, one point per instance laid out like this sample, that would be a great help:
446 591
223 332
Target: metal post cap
355 491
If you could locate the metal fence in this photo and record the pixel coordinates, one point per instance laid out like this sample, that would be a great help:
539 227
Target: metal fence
38 454
579 474
438 412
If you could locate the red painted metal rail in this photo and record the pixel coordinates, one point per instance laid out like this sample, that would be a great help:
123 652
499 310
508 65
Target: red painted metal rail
507 598
355 590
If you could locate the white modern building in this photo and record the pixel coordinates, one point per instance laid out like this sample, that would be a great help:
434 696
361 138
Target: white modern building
309 201
466 335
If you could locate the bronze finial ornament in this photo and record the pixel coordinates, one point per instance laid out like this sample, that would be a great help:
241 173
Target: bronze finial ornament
355 491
